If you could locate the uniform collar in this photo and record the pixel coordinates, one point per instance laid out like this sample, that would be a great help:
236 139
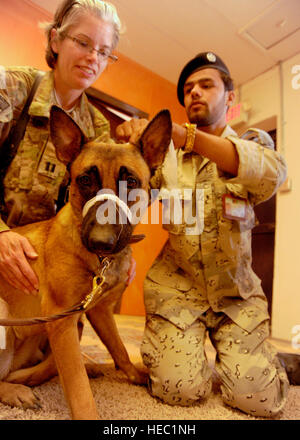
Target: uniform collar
228 131
44 99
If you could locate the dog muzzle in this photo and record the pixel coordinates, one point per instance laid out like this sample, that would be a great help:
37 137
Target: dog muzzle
105 197
120 204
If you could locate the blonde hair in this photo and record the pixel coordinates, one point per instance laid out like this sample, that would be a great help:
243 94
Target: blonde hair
69 13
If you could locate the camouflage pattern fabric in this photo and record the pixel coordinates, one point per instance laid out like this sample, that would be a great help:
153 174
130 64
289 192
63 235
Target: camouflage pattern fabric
211 273
35 175
252 378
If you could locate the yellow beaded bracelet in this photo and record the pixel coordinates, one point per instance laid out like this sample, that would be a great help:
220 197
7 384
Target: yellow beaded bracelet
190 137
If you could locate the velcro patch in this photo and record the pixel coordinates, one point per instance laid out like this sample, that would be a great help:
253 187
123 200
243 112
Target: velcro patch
2 78
2 338
3 104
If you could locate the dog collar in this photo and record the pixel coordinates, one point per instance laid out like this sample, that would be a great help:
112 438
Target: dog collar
114 198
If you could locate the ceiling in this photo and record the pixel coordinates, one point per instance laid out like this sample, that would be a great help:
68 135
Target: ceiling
250 35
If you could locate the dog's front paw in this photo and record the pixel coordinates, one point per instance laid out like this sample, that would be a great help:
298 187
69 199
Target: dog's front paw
138 375
19 396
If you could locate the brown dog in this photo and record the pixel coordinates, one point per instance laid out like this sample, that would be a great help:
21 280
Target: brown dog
69 246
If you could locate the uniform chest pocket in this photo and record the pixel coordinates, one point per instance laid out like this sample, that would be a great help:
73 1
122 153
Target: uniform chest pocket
239 191
234 236
49 166
40 170
50 172
186 213
30 153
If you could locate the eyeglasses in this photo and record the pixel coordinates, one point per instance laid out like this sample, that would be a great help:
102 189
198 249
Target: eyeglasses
86 48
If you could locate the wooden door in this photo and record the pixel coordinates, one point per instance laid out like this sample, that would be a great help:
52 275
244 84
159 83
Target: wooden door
111 107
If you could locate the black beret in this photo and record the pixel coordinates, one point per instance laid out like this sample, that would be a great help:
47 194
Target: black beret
203 60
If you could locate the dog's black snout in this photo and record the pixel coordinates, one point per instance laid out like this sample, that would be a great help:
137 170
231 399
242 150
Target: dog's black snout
102 245
101 238
104 237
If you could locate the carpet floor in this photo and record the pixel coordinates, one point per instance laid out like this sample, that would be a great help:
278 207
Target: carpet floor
118 400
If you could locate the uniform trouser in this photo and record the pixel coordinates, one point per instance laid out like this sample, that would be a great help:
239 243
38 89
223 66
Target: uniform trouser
252 378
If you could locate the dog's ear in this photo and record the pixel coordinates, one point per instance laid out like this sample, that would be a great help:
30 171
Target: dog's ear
155 139
65 134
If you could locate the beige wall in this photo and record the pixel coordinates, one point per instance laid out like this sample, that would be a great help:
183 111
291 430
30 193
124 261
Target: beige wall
286 309
275 103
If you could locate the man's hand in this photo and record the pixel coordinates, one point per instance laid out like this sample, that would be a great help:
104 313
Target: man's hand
130 131
14 267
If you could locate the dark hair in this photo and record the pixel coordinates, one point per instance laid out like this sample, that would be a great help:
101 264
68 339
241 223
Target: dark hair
227 80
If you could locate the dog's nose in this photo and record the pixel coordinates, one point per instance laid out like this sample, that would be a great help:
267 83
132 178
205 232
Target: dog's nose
102 246
105 241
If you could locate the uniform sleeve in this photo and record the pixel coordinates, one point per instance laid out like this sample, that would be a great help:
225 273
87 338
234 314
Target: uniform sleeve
6 107
261 169
15 84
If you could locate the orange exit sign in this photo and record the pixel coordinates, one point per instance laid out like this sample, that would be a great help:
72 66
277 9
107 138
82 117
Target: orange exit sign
234 112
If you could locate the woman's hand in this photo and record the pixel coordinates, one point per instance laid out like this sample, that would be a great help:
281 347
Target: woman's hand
14 267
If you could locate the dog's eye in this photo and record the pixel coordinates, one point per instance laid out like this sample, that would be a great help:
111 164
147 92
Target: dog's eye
84 180
132 182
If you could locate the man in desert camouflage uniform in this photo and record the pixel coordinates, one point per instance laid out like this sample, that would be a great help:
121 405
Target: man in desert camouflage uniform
33 180
204 282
